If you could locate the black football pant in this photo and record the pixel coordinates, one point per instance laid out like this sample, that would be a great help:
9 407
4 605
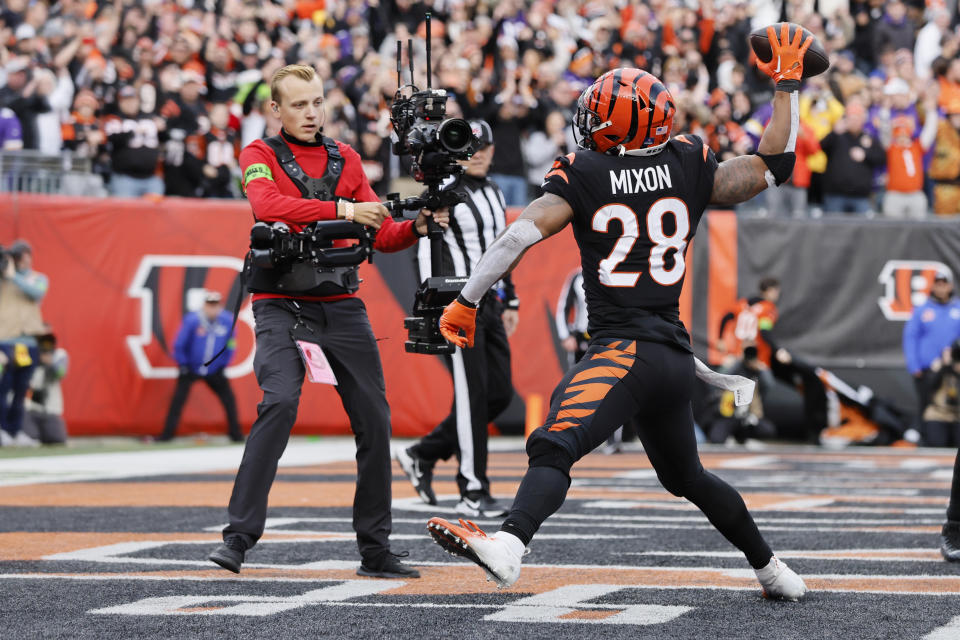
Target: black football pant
482 389
343 330
615 381
219 384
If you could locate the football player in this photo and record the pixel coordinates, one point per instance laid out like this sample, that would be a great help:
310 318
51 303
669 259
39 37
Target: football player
634 196
753 320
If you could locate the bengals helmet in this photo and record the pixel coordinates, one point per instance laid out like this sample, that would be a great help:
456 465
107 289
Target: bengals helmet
624 110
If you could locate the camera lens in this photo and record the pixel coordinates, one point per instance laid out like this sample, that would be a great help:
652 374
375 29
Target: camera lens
455 135
261 236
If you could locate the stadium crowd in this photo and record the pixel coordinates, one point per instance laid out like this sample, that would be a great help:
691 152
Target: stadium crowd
161 95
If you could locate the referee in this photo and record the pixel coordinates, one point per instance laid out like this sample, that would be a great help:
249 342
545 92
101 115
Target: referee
482 386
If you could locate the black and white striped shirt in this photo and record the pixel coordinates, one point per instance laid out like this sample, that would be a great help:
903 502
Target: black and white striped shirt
474 224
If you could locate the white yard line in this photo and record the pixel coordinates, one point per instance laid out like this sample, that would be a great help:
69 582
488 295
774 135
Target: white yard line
140 464
949 631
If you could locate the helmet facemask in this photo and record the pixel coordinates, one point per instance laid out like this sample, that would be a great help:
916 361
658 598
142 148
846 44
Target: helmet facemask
586 121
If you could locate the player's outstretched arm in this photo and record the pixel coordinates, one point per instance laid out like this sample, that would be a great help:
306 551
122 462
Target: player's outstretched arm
739 179
542 218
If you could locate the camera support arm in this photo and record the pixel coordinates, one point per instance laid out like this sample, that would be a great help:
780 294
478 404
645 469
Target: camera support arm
433 199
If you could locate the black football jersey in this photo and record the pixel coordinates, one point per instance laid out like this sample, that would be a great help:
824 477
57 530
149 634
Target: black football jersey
634 217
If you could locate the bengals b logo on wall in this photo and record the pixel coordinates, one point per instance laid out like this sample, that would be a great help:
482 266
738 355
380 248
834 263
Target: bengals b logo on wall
906 284
169 286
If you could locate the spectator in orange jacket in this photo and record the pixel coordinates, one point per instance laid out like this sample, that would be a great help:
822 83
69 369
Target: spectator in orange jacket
945 167
905 147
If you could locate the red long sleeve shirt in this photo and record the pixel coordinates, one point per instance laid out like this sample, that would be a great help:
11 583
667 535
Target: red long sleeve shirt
275 198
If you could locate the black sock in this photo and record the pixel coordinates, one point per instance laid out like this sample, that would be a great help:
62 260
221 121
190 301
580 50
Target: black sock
541 493
953 509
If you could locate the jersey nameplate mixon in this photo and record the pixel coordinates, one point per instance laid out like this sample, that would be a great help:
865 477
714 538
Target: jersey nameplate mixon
632 181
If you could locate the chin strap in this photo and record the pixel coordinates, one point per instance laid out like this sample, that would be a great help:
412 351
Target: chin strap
646 151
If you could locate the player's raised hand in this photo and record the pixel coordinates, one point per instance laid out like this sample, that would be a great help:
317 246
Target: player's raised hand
459 317
787 60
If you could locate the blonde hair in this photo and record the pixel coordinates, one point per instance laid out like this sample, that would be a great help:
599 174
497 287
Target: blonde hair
302 71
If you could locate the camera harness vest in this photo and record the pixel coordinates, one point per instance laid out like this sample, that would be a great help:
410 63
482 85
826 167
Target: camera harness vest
305 278
312 188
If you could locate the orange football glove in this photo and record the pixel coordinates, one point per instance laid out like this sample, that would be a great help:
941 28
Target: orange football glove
786 63
459 317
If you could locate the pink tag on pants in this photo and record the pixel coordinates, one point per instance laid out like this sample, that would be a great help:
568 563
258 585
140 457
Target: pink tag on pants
318 368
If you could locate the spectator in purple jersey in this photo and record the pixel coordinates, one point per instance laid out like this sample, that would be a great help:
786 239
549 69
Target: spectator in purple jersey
20 96
757 122
898 100
11 137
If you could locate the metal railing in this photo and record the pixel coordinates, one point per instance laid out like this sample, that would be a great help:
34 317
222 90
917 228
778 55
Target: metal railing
34 172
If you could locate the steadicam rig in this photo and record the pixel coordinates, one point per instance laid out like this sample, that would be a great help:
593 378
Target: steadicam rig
434 144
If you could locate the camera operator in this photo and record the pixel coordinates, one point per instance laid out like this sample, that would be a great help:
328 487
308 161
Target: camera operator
941 417
482 385
723 419
44 418
932 327
319 179
21 291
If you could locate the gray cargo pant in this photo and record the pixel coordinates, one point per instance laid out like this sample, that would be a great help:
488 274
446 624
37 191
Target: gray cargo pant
343 330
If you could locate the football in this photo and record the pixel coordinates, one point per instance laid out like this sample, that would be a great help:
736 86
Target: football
815 61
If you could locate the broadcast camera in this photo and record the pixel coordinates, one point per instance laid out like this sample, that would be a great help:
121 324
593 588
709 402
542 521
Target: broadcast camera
274 246
306 262
435 143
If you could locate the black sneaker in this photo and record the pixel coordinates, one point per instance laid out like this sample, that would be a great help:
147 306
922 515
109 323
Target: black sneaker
230 554
419 472
480 505
388 567
950 541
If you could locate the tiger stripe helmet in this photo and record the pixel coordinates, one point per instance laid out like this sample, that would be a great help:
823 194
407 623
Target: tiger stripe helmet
624 110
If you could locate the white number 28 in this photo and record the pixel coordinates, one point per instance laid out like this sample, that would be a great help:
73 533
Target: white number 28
662 242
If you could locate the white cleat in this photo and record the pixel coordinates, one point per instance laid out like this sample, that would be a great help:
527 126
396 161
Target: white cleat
780 582
23 440
467 540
